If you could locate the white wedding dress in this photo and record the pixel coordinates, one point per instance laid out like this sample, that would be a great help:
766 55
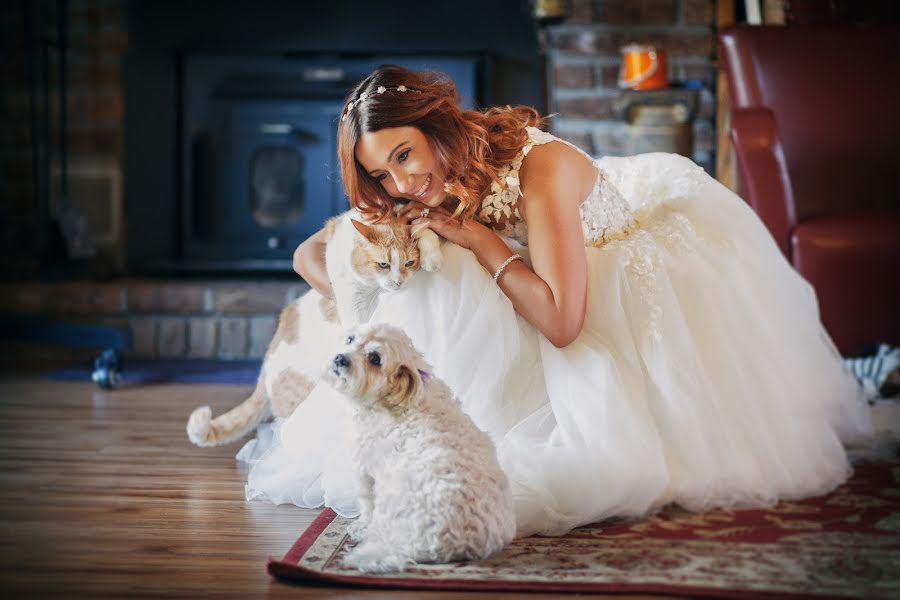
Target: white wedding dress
702 375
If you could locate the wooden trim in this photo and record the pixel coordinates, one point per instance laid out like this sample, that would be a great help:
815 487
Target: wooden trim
726 171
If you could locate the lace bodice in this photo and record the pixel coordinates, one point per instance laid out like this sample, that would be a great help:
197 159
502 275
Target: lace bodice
605 214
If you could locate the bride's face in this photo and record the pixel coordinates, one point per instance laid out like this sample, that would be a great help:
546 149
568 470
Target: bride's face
401 160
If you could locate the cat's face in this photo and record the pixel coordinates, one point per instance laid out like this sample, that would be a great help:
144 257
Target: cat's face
386 253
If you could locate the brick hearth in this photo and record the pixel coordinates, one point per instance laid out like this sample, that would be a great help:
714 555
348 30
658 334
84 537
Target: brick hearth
168 319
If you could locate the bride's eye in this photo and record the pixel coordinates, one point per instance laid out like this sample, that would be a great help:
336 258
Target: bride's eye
384 265
380 178
401 158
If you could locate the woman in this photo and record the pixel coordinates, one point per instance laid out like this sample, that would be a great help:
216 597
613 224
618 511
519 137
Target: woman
651 346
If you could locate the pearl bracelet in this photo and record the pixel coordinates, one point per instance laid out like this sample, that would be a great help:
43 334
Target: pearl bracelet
505 264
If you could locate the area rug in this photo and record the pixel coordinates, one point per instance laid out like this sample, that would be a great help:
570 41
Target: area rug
152 371
844 545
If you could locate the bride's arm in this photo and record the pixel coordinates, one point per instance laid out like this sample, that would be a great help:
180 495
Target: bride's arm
552 296
309 263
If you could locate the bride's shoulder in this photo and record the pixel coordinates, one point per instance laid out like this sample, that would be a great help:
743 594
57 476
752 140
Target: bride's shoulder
553 159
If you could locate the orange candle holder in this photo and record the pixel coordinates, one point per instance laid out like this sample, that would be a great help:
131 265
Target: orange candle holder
643 68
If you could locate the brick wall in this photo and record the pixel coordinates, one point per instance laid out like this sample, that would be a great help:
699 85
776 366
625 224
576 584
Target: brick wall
583 64
97 42
215 319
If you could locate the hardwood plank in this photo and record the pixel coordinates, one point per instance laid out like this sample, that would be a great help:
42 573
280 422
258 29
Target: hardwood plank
103 496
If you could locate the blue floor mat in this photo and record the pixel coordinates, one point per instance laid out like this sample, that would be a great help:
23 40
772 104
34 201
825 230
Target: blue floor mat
143 371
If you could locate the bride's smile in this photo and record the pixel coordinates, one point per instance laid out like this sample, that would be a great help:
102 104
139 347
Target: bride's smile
420 193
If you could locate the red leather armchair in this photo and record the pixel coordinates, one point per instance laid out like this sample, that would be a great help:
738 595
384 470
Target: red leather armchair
816 133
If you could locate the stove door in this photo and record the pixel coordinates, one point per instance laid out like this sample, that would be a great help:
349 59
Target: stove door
284 176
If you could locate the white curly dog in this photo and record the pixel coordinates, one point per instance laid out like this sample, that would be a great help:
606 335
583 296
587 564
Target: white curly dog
431 488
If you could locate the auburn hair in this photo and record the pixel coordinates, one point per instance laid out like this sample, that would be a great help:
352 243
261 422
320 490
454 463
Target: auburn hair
470 146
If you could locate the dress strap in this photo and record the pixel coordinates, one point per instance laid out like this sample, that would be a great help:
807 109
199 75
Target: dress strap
537 137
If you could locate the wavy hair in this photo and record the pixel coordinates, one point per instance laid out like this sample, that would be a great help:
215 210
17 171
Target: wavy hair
470 146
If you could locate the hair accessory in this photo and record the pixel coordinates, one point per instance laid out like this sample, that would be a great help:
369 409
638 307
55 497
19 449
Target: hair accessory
379 90
505 264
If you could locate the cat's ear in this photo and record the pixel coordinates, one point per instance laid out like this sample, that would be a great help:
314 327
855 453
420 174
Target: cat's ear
364 230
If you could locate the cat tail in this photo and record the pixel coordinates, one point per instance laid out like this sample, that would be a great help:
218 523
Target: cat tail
204 431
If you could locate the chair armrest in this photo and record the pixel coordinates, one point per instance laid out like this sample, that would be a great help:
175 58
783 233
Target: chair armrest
765 179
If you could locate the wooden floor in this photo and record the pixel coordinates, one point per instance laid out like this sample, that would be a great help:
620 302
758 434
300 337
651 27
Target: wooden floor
102 495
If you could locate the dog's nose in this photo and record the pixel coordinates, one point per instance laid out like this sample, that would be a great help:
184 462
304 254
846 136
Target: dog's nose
341 361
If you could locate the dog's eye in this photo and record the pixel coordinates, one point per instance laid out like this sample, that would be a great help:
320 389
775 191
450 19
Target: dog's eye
349 340
410 263
384 265
374 359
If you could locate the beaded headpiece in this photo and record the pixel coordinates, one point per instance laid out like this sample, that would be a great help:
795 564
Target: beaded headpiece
380 90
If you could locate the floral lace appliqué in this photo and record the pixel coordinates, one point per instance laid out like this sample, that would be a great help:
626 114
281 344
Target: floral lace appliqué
644 266
665 233
605 215
500 208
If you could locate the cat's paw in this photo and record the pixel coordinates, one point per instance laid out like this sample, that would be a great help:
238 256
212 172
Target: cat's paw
432 261
198 426
430 255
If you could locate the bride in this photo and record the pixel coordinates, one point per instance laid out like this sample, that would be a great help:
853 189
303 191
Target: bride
625 329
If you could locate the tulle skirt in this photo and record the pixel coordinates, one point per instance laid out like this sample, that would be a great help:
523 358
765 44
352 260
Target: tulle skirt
702 375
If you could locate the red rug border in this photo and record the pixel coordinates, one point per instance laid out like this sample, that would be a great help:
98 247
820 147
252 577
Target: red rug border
289 571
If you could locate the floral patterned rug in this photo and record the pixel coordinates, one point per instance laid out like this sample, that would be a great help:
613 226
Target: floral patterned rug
844 545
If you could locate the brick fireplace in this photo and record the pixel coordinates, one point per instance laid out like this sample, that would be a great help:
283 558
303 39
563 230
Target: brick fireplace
150 82
126 76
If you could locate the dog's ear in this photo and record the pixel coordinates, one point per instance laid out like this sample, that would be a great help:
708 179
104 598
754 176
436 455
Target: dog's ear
403 385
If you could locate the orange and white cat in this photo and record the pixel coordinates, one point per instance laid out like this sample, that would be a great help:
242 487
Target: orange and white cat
363 261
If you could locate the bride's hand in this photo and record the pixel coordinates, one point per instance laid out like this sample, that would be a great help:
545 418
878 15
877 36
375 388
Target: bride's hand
463 233
411 210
